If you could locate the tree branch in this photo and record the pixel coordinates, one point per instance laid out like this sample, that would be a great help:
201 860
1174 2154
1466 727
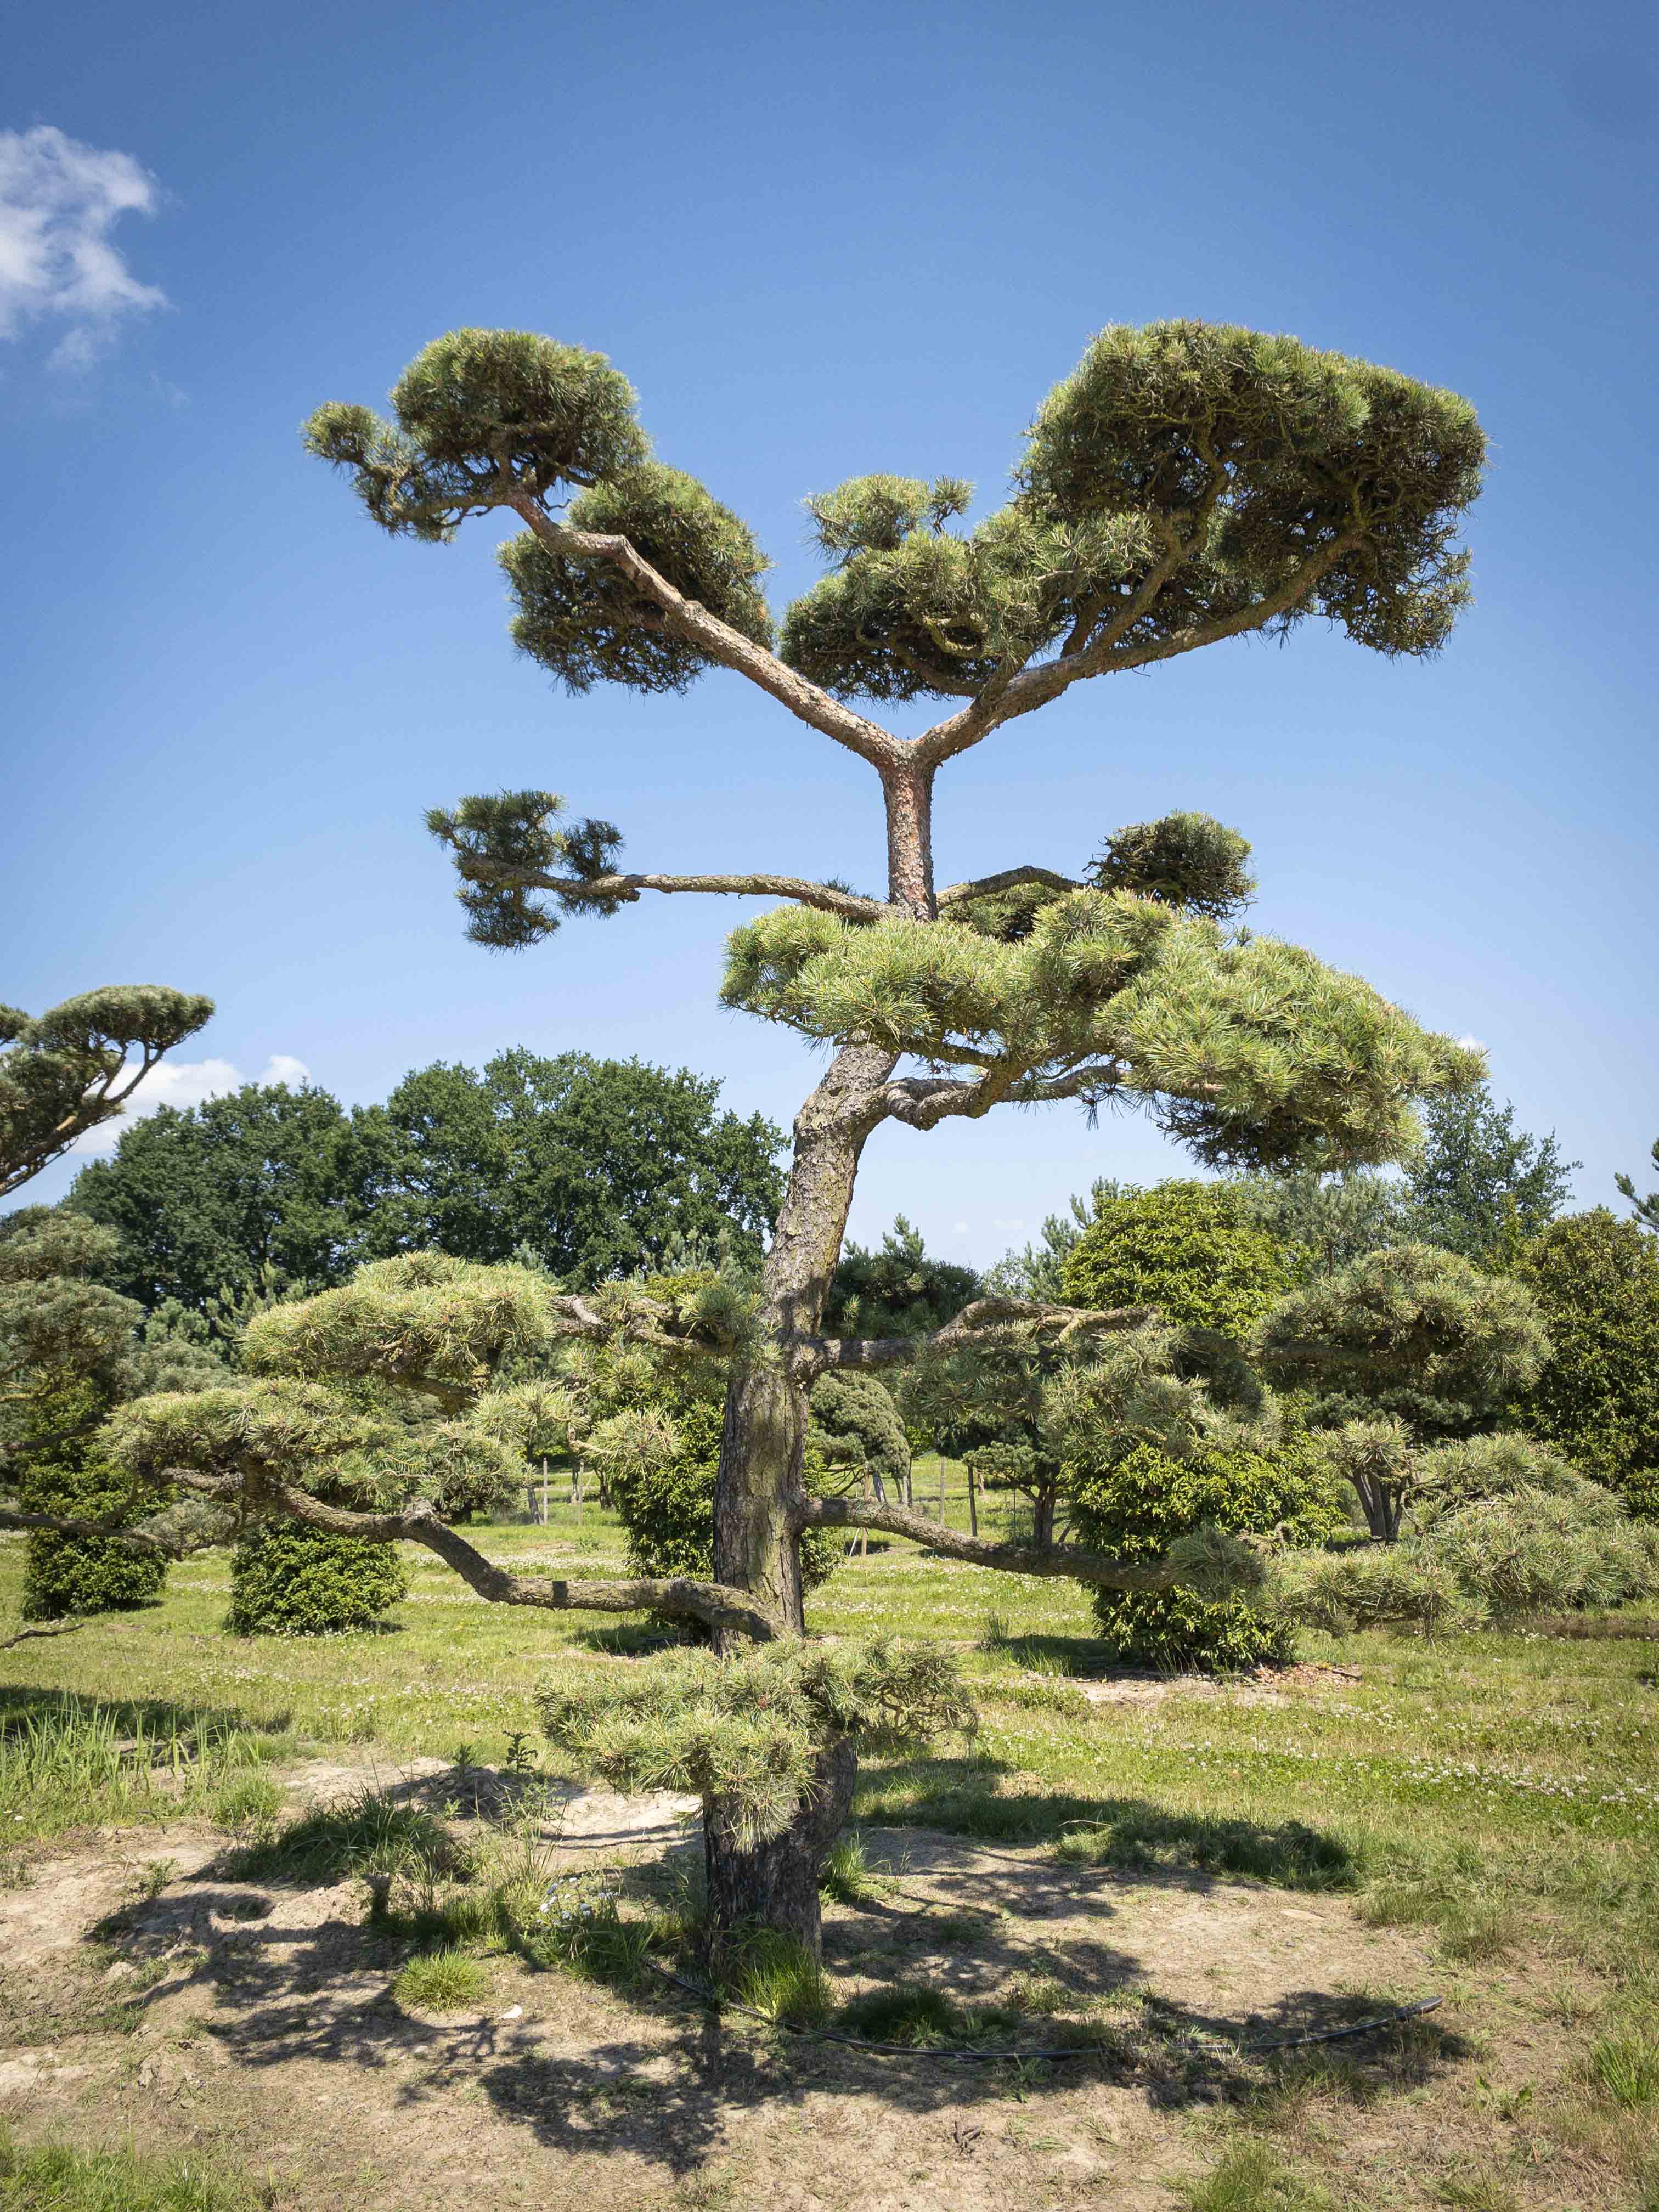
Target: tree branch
984 1323
620 890
729 647
1008 879
1054 1559
1035 687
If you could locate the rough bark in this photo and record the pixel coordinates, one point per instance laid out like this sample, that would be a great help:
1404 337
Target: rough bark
775 1885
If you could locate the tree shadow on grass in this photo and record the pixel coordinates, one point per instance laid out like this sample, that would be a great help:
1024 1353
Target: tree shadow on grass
1131 1834
23 1705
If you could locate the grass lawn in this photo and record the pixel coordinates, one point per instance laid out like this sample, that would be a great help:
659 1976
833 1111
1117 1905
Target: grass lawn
1498 1795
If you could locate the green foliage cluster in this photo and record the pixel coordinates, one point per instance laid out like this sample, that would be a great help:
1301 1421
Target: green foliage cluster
1189 862
289 1580
1138 1505
583 620
1646 1209
596 1165
898 1289
76 1575
1247 1050
752 1730
1187 1249
1413 1330
1595 1281
1479 1186
856 1425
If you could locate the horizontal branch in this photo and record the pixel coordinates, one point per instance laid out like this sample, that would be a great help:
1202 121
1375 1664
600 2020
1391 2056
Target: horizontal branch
713 1603
1097 1568
689 619
978 1327
622 890
70 1524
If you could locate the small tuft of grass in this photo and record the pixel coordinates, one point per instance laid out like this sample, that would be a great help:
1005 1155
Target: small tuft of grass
907 2012
778 1977
845 1875
251 1802
368 1833
449 1980
1250 2178
1625 2069
1040 1996
1478 2192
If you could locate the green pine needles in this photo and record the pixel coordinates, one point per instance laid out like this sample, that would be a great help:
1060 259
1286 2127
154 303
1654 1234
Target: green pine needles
751 1732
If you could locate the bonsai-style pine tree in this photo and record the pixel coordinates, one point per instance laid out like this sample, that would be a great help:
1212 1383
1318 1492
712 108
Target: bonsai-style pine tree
63 1072
1188 484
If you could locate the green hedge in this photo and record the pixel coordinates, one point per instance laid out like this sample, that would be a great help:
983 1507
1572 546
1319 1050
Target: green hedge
1137 1508
290 1580
65 1574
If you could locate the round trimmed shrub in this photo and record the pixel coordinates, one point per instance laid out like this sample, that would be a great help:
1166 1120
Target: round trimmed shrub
1188 1248
290 1580
65 1574
1537 1550
1139 1506
1374 1586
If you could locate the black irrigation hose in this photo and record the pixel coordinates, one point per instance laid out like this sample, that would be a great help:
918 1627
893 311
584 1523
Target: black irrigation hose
965 2053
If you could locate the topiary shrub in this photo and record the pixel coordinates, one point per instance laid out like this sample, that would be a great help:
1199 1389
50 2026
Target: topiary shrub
287 1579
1537 1550
1141 1504
1189 1249
65 1574
1595 1280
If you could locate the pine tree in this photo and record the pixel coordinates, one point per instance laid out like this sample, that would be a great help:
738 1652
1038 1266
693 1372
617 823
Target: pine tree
63 1072
1646 1209
1188 484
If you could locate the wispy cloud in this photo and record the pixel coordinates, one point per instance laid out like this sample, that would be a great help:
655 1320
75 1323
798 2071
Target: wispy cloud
59 200
187 1083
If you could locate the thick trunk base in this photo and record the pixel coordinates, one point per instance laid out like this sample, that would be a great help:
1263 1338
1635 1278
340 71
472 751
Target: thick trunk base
775 1885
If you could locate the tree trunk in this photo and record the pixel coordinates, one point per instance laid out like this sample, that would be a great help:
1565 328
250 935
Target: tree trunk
1043 1516
775 1885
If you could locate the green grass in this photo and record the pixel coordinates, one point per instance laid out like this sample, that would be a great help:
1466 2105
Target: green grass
1251 2178
779 1978
449 1980
57 2178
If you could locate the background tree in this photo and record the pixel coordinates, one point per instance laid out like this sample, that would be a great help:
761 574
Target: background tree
1190 484
1647 1209
260 1187
595 1165
1481 1184
1188 1248
64 1071
1323 1222
1595 1280
900 1289
1036 1271
1403 1348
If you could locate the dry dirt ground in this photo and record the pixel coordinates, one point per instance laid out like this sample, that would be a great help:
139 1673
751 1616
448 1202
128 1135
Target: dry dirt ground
144 1994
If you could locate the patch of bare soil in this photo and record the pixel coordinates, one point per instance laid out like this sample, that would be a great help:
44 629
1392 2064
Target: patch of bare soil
262 2015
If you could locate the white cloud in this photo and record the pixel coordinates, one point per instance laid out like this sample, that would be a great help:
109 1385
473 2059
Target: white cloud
59 200
186 1083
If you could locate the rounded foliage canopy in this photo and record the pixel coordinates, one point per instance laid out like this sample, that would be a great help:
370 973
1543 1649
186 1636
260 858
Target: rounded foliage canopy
1413 1330
1187 1249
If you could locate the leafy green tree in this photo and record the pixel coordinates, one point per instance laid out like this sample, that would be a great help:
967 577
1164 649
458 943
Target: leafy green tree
1647 1209
1480 1183
64 1071
597 1165
254 1187
1037 1271
1190 483
1401 1349
1595 1280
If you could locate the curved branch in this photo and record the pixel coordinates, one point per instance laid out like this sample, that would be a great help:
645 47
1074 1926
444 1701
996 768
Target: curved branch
70 1524
624 889
1008 879
730 647
1054 1559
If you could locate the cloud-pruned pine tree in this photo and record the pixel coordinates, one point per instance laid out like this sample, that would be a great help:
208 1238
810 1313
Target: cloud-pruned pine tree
63 1072
1188 483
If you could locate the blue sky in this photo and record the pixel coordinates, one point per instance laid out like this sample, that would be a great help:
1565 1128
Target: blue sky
820 240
